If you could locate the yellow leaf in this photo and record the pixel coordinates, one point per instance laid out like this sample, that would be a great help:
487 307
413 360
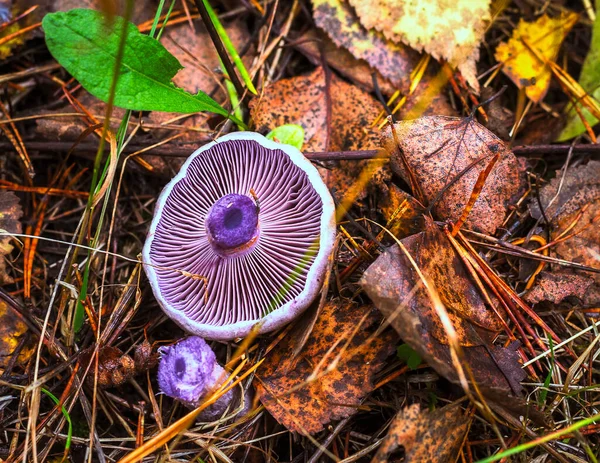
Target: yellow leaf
12 328
449 30
532 44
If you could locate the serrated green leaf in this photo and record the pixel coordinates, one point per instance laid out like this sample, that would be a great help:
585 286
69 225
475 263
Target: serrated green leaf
589 79
289 134
85 44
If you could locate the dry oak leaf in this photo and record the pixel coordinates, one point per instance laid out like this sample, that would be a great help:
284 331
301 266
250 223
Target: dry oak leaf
573 200
10 215
394 287
306 405
451 31
525 54
446 156
339 21
303 100
434 437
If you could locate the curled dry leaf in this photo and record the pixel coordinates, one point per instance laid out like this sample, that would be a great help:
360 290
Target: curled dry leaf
446 156
393 285
573 200
434 437
10 215
306 405
451 31
339 21
303 100
531 43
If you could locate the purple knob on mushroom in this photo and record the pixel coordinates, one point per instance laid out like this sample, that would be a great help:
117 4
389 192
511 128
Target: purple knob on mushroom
188 372
240 236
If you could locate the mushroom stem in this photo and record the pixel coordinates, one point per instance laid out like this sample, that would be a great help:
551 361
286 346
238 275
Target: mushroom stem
232 224
189 372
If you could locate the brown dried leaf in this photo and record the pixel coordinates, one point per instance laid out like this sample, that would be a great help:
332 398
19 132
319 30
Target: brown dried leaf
557 286
10 215
451 31
339 21
303 100
114 367
314 43
576 202
142 10
580 186
307 407
441 150
394 287
12 328
434 437
402 212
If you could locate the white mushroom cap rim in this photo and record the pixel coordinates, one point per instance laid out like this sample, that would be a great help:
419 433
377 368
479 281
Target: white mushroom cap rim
241 235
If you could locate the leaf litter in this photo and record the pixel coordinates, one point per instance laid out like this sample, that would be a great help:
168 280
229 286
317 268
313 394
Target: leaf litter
458 200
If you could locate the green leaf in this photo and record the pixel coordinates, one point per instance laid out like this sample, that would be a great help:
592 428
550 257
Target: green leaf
289 134
85 43
589 79
409 356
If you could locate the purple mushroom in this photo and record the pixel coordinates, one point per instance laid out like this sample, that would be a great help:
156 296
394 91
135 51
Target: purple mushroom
188 371
240 236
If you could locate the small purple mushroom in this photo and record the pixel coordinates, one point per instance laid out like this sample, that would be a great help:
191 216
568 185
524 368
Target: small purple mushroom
241 235
188 371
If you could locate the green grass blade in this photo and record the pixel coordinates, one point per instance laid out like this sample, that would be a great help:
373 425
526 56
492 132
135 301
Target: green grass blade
230 48
67 417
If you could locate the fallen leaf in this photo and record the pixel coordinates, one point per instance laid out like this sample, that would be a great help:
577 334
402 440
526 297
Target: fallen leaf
434 437
10 215
557 286
588 79
393 285
303 100
306 405
142 9
451 31
17 8
573 200
339 21
446 155
524 66
403 214
288 134
12 330
317 46
567 194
